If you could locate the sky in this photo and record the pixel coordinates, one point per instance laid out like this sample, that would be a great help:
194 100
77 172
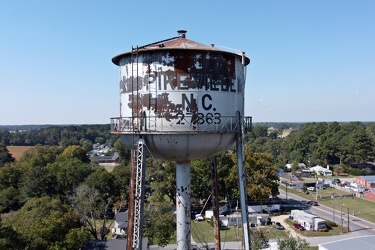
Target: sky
311 61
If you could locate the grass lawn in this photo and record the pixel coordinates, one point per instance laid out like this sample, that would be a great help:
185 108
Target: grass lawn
203 232
332 231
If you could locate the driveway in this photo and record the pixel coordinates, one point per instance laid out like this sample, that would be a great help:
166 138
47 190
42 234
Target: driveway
281 219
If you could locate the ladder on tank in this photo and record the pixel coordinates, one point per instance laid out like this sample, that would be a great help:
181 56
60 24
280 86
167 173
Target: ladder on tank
135 121
153 100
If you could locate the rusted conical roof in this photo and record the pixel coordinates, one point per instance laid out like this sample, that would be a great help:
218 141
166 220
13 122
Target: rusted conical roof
179 42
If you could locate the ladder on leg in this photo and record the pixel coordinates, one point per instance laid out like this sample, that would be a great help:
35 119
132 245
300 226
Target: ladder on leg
137 194
135 89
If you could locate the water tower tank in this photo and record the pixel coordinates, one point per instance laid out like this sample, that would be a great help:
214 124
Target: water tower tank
182 97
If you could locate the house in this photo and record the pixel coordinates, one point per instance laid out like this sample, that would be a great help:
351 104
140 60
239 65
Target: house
223 208
308 221
235 219
300 165
121 223
112 160
263 207
363 165
321 170
291 180
367 181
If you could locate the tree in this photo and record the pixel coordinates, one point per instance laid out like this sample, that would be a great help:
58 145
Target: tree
338 169
10 175
36 181
9 238
261 176
75 151
43 222
93 210
200 178
67 174
288 242
5 156
104 182
256 132
161 178
295 167
121 180
258 240
86 145
159 223
123 151
302 143
40 155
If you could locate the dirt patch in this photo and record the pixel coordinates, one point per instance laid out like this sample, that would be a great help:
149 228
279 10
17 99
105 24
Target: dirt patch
281 219
18 151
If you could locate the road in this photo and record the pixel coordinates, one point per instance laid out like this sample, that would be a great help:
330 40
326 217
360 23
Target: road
355 224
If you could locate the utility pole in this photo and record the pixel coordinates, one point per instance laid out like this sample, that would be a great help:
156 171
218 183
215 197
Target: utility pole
286 191
348 220
215 202
333 207
353 197
342 226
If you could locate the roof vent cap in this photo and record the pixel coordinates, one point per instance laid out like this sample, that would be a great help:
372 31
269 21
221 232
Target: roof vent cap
181 33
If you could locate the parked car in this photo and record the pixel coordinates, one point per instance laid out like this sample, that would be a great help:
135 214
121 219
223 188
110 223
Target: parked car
336 181
199 217
280 227
298 226
311 188
313 203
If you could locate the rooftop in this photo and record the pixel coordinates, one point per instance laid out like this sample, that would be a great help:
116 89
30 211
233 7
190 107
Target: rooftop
370 178
362 242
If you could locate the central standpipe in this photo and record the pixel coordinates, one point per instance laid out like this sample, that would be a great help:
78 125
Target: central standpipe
183 205
242 184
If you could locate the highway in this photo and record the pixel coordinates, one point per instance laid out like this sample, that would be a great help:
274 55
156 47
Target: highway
355 224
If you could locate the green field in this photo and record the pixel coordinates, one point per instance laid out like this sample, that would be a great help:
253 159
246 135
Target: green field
203 232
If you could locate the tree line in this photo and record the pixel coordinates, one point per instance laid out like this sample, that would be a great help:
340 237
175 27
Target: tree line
55 197
54 135
321 143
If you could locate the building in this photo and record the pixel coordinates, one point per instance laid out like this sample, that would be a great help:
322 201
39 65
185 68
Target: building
366 181
223 208
363 165
369 195
260 208
321 170
121 223
291 180
361 242
300 165
308 221
112 160
235 219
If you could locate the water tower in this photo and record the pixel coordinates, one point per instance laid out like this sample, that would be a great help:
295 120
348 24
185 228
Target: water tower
180 100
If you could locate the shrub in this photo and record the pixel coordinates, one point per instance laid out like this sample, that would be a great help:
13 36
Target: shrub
331 224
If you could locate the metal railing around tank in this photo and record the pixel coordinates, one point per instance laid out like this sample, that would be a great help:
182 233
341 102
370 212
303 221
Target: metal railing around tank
185 124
